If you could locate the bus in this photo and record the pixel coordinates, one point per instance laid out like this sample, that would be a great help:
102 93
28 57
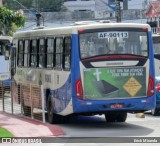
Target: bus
156 50
5 46
88 69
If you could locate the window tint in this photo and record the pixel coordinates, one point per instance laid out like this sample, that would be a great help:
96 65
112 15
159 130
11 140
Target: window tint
67 53
26 52
58 53
113 42
50 51
42 53
20 53
34 49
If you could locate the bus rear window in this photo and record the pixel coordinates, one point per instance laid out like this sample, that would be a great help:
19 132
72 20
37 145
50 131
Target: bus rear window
113 42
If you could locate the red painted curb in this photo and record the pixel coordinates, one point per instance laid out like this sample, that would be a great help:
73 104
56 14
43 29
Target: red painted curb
25 127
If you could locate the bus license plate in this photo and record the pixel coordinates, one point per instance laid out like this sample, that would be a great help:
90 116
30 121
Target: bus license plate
116 105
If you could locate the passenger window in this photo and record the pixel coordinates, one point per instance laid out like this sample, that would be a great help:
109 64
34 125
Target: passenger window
20 53
34 49
58 53
50 51
67 53
26 52
42 53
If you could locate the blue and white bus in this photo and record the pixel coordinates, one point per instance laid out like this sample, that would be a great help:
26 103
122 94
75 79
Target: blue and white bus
88 69
5 45
156 50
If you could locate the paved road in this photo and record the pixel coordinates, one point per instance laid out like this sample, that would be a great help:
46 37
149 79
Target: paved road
97 127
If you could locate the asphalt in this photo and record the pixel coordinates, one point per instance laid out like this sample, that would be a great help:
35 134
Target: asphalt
24 127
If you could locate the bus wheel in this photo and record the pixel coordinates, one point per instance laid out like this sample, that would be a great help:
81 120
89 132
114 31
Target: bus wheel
121 116
110 117
154 111
26 110
116 116
52 118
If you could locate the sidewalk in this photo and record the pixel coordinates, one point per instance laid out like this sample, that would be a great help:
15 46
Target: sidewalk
23 127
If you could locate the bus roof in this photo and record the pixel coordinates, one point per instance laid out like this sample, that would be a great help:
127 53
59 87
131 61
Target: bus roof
73 29
6 38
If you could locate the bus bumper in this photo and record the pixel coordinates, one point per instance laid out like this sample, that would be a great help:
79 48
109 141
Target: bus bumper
102 106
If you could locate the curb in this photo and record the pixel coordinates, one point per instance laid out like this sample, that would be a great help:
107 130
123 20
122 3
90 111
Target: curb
25 127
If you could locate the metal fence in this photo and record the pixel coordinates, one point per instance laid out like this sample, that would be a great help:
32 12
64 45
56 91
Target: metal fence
23 100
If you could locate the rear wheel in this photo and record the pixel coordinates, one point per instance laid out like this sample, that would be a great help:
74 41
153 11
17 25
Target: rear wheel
154 111
26 110
116 116
121 117
52 118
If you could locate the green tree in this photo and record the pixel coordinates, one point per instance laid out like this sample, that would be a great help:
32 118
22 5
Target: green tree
10 21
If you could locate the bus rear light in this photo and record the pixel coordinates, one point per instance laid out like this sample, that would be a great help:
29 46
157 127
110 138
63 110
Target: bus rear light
150 90
158 87
79 89
81 31
145 28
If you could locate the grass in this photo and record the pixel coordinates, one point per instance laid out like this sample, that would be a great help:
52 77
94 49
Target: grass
5 133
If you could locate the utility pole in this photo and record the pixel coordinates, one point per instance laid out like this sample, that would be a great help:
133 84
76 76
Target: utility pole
37 14
125 4
118 11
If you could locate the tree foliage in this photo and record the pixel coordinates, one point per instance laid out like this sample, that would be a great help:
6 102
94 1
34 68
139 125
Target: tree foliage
9 20
43 5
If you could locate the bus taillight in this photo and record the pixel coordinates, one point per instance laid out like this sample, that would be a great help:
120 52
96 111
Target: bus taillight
79 89
150 90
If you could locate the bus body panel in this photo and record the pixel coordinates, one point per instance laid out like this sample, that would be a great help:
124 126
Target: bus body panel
63 85
60 90
134 104
156 49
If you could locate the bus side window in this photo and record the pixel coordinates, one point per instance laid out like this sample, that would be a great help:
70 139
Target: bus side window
50 51
20 53
58 53
42 53
33 59
26 52
67 53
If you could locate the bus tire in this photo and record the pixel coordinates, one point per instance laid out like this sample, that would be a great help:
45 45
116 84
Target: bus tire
121 117
154 112
52 117
110 117
26 110
116 116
